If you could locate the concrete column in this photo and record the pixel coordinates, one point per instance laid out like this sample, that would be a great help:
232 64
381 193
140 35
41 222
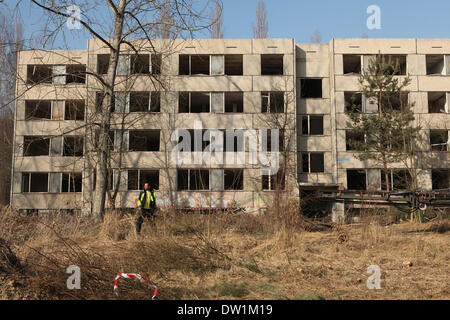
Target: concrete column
338 212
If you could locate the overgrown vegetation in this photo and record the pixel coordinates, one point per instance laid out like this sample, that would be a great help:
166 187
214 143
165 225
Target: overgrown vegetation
220 256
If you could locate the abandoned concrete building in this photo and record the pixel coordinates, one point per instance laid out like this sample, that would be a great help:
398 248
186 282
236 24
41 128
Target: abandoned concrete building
221 84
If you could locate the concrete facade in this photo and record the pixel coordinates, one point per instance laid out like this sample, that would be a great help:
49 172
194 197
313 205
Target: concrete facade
313 82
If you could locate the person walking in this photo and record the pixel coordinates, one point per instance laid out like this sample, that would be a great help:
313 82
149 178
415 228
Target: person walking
146 206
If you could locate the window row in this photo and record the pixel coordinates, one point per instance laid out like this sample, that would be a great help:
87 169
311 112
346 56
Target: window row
230 64
67 146
53 182
131 64
357 102
399 179
136 101
439 140
54 110
56 74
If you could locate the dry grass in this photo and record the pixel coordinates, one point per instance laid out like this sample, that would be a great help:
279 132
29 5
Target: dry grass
223 256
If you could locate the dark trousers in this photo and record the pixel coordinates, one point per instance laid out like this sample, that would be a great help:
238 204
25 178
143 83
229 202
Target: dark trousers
148 214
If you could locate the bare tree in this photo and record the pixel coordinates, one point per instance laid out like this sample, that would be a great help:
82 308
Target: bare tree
216 15
261 26
316 37
124 20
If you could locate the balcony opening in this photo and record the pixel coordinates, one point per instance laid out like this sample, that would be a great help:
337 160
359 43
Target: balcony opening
234 65
102 63
39 74
137 179
34 182
353 102
352 64
354 141
437 102
234 179
73 146
234 102
356 179
72 182
312 125
439 140
272 102
435 65
440 179
144 140
271 64
36 146
192 180
311 88
140 64
74 110
38 109
76 73
274 182
313 162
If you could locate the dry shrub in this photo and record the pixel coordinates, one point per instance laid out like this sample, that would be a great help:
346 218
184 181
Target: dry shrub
116 226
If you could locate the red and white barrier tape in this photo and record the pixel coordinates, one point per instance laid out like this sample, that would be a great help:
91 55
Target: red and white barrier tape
134 276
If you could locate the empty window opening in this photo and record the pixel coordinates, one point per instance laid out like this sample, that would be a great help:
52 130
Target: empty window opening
73 146
74 110
140 64
36 146
144 140
267 141
200 65
437 102
313 162
137 179
234 179
233 140
271 64
399 62
272 102
139 101
274 182
435 65
439 140
184 65
195 145
34 182
192 179
311 88
234 102
354 141
234 65
39 74
352 64
99 100
38 109
356 179
353 102
102 63
399 179
440 179
156 62
397 101
312 125
194 102
76 73
72 182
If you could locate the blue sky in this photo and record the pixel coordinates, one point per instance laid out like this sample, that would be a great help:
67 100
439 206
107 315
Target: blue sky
298 19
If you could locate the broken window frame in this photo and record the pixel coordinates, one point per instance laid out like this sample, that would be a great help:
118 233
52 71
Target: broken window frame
132 135
30 181
233 186
267 98
271 182
140 182
438 183
393 179
349 102
189 100
30 114
306 119
443 146
75 150
46 78
240 105
344 64
359 171
68 111
72 184
430 69
432 104
306 162
189 178
36 138
221 71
